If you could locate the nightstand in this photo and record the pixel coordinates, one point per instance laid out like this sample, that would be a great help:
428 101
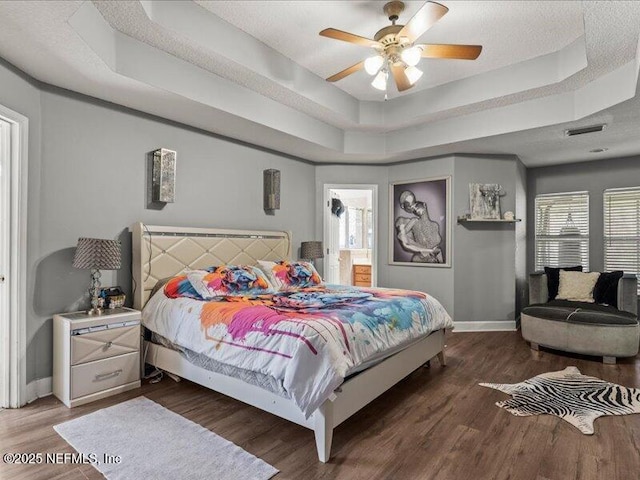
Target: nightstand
95 356
361 275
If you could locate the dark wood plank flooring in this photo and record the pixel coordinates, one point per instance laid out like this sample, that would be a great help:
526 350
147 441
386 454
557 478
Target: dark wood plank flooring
436 424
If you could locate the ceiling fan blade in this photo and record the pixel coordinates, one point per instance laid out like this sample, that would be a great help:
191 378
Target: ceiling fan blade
346 72
423 20
462 52
349 37
402 82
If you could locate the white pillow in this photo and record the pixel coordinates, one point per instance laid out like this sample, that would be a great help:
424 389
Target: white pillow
266 266
577 286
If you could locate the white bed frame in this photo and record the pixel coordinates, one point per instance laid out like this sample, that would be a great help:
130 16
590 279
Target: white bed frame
160 252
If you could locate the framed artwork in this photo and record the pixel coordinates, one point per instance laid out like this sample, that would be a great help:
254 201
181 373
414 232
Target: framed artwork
420 222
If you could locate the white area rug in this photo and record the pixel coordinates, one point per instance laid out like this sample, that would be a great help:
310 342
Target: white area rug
156 443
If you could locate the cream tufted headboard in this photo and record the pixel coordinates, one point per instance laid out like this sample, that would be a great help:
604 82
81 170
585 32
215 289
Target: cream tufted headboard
160 252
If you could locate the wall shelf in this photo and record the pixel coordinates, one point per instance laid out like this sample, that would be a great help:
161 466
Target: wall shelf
487 220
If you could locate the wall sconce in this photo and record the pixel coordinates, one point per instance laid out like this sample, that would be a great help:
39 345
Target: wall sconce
163 179
271 191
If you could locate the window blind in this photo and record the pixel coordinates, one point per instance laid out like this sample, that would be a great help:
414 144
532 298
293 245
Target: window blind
622 230
562 230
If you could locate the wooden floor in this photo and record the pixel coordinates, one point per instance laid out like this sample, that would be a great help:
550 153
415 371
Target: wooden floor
436 424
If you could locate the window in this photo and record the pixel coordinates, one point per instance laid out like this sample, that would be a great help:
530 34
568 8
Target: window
356 228
622 230
562 230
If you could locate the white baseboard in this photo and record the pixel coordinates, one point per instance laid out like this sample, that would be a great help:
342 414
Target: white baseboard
39 388
494 326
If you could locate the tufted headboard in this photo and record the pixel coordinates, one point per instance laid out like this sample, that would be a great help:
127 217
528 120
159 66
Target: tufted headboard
161 251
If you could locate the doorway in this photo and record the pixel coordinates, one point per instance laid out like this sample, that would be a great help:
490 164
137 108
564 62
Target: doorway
14 134
5 235
351 234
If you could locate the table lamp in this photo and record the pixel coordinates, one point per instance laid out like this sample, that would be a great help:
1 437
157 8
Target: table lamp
97 254
311 250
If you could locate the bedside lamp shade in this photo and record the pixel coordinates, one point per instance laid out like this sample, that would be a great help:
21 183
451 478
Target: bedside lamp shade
97 254
311 250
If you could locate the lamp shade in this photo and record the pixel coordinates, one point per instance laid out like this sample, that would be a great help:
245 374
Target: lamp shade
411 56
311 250
373 64
380 82
97 253
413 74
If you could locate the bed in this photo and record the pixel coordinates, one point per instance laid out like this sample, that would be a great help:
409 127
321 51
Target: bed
301 394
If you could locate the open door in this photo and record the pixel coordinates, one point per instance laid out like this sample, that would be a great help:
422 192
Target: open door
350 234
5 235
332 242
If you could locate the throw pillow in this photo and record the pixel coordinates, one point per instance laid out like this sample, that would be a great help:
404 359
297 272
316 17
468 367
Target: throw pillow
577 286
230 280
553 278
291 275
606 289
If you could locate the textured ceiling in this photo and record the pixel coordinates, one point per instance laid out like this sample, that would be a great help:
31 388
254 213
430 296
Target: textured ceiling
509 35
532 28
38 37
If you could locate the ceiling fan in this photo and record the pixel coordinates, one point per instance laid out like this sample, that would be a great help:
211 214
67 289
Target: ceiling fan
395 49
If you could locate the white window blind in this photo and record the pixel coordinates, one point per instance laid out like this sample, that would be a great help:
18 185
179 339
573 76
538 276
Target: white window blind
622 230
562 230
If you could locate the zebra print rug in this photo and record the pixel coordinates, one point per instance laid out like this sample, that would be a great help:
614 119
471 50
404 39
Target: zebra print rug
568 394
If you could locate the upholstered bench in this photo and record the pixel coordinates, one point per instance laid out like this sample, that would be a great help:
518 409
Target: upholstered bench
581 327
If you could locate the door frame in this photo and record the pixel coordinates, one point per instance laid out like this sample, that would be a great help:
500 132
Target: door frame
13 325
374 203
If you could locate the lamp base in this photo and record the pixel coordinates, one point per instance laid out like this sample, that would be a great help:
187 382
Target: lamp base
94 292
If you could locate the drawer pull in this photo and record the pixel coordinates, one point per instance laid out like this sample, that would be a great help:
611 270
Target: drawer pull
107 346
104 376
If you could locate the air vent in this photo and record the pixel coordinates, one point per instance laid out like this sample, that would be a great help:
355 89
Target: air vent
582 130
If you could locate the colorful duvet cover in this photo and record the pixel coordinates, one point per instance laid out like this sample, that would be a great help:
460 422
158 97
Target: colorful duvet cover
310 339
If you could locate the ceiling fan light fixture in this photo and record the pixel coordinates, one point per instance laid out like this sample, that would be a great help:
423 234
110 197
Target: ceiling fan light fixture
411 56
372 64
380 82
413 74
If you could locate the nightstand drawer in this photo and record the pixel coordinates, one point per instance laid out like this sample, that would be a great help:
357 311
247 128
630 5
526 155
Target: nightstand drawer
366 269
92 346
101 375
360 277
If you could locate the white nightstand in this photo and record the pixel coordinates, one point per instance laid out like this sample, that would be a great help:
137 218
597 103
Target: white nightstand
95 356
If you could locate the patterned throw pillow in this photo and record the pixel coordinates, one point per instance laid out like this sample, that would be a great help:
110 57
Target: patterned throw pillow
180 286
291 275
230 281
577 286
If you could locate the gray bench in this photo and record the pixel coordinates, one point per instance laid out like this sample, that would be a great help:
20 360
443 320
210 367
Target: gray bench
579 327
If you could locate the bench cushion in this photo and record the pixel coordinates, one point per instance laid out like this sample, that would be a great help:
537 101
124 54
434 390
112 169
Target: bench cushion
580 312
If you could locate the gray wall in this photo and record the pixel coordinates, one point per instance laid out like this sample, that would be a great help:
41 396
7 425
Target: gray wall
435 281
484 252
481 283
594 177
90 181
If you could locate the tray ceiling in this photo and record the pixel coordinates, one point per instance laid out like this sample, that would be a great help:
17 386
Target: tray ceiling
509 34
254 70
